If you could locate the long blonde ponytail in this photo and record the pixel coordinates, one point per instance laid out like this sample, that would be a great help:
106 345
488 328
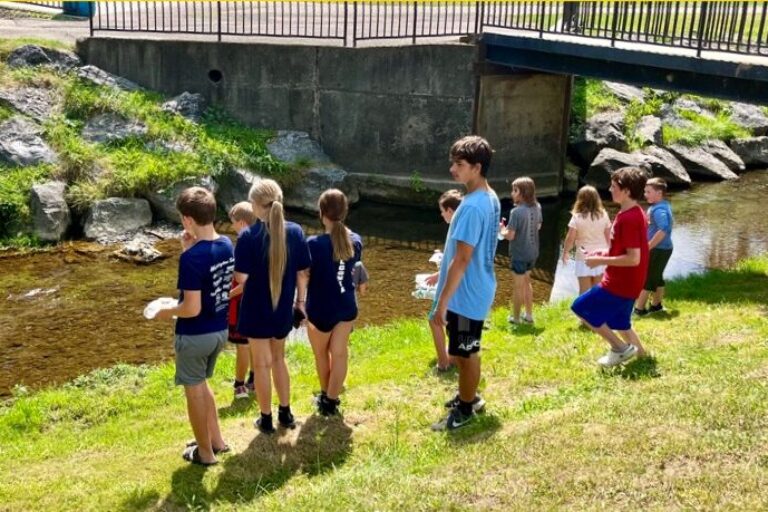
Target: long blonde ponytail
333 206
267 194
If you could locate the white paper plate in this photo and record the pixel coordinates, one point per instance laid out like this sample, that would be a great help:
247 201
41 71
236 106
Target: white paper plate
156 305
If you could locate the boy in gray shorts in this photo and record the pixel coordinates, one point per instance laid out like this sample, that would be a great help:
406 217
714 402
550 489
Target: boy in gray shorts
206 268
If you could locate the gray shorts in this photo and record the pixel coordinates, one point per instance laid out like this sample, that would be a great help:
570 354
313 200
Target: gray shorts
196 356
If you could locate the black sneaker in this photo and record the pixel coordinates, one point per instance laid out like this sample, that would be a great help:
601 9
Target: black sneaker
655 309
455 420
264 424
640 312
478 404
285 417
327 406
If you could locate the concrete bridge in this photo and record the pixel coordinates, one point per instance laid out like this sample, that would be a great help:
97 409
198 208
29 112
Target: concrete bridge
349 74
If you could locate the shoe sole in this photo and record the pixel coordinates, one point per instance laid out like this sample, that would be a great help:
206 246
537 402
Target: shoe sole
240 396
618 363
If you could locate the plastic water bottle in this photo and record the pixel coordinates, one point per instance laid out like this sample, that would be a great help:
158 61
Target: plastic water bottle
502 225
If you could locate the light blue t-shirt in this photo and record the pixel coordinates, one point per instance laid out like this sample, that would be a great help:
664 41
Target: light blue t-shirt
476 223
660 219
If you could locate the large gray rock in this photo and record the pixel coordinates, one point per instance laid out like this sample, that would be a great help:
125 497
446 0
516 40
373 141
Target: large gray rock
21 145
32 55
233 187
624 92
112 218
604 130
700 163
111 127
163 201
752 151
400 189
50 213
189 105
750 116
606 163
100 77
34 102
315 181
719 150
648 131
663 164
296 148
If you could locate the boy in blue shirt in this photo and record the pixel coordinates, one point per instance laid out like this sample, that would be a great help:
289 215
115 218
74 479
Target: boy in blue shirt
206 268
660 221
467 282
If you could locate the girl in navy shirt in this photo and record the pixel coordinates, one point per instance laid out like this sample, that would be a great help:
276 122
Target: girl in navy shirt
331 304
268 257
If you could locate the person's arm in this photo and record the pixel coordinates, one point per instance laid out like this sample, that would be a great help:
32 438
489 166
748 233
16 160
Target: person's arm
302 283
188 308
629 259
241 278
432 280
236 291
362 288
607 234
456 269
656 239
570 239
661 220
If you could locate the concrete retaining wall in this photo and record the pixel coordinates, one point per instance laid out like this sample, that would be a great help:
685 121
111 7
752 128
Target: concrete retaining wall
386 111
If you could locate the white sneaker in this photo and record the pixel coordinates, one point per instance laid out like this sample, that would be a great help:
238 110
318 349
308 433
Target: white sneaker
527 319
511 319
616 358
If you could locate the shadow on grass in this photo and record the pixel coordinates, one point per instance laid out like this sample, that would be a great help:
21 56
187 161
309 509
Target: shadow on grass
637 369
747 282
314 447
483 427
526 329
450 374
238 407
666 314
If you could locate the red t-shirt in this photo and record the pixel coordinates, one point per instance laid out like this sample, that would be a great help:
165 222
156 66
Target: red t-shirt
627 232
234 314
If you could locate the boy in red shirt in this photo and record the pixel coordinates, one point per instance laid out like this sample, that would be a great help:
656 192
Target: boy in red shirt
607 307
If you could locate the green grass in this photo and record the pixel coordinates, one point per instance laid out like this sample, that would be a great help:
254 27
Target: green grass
683 429
703 128
589 97
217 145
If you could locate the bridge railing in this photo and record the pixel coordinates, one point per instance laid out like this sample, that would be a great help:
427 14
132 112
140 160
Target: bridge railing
738 27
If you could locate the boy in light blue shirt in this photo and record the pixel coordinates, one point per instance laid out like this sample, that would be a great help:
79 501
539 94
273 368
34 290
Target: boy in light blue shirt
467 281
660 222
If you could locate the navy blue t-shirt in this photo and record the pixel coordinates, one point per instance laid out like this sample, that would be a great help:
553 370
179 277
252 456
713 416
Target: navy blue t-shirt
331 293
207 266
257 318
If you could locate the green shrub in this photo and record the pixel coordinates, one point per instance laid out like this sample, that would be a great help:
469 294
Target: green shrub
15 185
703 128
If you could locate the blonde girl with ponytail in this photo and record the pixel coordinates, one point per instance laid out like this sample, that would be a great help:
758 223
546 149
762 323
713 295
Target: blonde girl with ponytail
331 303
269 257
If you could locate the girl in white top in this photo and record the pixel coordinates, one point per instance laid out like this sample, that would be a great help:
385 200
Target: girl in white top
589 230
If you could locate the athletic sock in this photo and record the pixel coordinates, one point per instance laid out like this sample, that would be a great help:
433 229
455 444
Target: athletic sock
465 407
250 377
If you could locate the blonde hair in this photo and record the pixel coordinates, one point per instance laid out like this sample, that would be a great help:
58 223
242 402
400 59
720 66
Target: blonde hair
267 194
527 190
588 202
242 211
334 207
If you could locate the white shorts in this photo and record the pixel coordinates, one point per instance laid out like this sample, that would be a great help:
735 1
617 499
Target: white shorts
582 270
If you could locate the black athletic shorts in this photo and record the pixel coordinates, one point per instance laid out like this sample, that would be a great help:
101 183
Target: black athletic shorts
463 335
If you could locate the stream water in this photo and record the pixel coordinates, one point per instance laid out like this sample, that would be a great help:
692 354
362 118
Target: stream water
70 309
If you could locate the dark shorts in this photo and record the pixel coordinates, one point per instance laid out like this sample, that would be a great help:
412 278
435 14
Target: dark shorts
520 267
463 335
325 325
235 337
598 307
196 356
657 262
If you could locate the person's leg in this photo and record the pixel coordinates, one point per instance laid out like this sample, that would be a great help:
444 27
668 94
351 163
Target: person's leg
469 376
528 297
630 336
658 296
642 300
197 411
518 295
261 363
438 337
242 362
617 345
595 280
214 431
585 283
319 341
280 372
339 350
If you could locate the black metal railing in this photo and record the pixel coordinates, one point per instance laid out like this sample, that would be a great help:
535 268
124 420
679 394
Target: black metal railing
738 27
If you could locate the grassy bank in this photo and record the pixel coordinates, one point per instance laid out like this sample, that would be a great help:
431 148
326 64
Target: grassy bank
685 429
128 168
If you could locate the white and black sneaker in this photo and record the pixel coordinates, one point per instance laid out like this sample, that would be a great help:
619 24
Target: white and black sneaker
478 404
612 358
455 420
